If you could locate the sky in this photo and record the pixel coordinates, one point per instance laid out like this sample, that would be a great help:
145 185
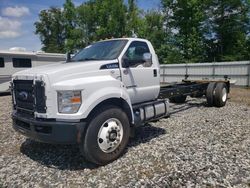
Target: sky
17 18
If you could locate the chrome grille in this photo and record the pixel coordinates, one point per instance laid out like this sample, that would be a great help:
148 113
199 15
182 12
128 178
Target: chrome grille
29 97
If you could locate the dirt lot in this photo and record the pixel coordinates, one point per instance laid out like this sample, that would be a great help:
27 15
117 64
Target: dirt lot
197 146
241 96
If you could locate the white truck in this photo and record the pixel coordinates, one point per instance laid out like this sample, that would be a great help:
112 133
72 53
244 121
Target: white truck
97 98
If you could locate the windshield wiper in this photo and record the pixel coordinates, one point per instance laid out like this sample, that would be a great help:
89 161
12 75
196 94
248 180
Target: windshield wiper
87 59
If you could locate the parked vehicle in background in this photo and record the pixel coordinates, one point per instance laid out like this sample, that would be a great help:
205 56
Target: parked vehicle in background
98 97
14 61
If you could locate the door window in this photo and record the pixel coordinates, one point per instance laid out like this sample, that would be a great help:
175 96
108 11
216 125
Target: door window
134 54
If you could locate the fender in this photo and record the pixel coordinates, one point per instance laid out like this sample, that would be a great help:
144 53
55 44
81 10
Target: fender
98 97
94 91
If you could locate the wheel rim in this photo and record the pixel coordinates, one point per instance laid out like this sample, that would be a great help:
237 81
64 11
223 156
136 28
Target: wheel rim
224 94
110 135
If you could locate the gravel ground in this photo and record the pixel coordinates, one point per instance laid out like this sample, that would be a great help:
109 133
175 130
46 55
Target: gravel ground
196 146
240 95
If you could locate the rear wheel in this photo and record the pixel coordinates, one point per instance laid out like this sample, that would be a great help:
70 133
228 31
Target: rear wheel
107 135
220 95
210 93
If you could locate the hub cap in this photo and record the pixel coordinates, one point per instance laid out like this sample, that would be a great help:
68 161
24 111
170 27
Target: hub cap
224 94
110 135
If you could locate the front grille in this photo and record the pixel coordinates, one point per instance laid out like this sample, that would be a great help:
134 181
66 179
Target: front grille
24 94
29 97
39 91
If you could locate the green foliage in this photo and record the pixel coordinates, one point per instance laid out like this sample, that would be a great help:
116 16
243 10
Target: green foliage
154 31
184 18
72 32
182 31
134 22
86 20
111 19
229 24
51 31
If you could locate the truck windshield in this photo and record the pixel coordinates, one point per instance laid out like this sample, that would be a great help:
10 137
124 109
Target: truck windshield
105 50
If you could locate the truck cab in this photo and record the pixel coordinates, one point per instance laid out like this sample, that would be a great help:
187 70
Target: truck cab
94 99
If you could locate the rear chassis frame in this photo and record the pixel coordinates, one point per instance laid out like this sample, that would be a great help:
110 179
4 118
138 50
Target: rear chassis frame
193 88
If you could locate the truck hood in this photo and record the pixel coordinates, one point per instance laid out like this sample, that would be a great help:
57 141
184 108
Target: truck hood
64 71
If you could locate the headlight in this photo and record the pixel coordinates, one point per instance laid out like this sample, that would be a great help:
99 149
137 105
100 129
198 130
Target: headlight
69 102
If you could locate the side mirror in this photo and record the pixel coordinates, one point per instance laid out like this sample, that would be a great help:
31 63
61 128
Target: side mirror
147 57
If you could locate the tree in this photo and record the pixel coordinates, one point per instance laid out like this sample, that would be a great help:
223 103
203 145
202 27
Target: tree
111 20
227 26
183 31
134 23
50 29
184 18
99 19
73 33
152 28
87 21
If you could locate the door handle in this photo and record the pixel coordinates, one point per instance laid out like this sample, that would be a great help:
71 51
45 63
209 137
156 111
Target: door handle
132 86
155 72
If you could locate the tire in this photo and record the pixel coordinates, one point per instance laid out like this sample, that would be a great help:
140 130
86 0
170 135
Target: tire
179 99
210 93
107 135
220 95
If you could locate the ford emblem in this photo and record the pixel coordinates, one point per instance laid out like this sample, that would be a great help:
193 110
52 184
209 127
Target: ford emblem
23 95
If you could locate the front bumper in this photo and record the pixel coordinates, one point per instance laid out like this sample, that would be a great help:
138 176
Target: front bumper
49 131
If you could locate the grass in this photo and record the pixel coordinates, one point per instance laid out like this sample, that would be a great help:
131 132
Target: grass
240 95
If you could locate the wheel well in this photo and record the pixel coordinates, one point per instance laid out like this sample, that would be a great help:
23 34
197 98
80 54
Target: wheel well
119 102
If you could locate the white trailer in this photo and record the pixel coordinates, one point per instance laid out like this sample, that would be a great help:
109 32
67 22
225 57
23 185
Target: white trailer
14 61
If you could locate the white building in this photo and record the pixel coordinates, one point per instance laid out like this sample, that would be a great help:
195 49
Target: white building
12 61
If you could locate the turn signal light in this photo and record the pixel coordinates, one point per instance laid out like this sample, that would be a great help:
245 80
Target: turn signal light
75 100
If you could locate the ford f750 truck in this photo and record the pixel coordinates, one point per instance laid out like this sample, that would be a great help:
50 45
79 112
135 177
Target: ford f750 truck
97 98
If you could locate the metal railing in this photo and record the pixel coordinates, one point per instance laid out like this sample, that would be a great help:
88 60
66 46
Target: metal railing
239 71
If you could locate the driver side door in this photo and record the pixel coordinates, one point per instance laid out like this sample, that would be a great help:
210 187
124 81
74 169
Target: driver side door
140 78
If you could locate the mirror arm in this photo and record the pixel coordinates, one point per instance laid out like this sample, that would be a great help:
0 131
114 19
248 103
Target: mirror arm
125 63
68 57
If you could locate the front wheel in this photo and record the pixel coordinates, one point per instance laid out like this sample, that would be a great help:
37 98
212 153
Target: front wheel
107 135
